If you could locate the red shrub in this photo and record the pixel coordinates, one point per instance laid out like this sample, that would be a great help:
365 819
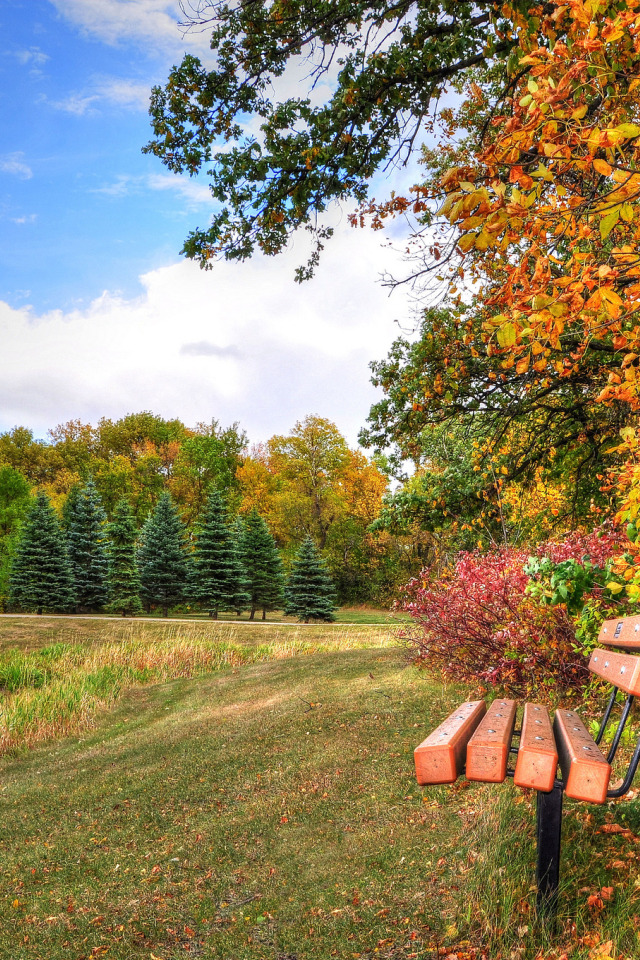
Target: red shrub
477 622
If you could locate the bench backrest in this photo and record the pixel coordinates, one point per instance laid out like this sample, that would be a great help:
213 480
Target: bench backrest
623 633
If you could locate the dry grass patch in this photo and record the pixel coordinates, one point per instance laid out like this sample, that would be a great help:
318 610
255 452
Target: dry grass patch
51 690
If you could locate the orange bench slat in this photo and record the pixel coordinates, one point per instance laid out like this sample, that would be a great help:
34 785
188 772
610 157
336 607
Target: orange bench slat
624 633
440 758
585 770
488 748
620 669
538 756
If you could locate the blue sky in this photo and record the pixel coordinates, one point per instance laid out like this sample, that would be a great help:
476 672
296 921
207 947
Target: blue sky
99 315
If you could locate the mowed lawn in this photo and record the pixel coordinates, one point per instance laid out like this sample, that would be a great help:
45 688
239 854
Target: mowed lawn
269 810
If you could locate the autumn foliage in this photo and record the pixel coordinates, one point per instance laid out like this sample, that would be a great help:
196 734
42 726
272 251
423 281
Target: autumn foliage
480 621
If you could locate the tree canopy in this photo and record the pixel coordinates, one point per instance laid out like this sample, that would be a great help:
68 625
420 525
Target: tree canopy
279 149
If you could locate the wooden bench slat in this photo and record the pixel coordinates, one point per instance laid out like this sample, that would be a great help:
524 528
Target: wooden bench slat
585 770
624 634
538 756
440 758
488 748
620 669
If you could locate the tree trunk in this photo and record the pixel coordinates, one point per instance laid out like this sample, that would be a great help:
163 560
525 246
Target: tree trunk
253 612
264 613
165 611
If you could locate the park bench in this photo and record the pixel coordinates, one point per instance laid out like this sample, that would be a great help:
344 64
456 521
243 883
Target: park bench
480 744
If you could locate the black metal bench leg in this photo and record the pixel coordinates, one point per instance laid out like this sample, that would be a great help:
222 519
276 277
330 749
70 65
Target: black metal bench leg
548 827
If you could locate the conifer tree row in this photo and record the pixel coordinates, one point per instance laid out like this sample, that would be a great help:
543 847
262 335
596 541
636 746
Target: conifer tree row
234 566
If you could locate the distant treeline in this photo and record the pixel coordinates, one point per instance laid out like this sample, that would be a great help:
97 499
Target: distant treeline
307 484
88 565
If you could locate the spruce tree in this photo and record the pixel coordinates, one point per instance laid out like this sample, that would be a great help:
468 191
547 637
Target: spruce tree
162 561
309 594
41 577
124 579
262 564
219 581
87 546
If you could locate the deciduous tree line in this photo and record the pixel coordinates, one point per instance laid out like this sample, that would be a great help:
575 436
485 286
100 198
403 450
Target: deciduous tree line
306 483
86 564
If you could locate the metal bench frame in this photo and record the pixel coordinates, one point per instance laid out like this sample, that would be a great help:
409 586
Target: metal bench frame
549 810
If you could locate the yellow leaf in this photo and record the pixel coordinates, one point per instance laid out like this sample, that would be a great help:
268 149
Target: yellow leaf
608 222
628 130
626 212
579 113
466 241
506 335
614 587
532 86
542 173
601 166
483 241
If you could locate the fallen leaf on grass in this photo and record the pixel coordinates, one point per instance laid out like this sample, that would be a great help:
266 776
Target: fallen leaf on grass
602 952
616 828
595 904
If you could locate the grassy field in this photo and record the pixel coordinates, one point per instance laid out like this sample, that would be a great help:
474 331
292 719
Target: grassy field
266 808
352 616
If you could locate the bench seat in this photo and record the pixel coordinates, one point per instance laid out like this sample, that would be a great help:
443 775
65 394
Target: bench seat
441 757
585 770
476 742
538 756
488 748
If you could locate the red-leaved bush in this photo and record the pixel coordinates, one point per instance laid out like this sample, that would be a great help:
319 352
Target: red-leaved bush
478 623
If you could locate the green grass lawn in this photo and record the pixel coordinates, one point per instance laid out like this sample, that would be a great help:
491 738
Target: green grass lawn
269 810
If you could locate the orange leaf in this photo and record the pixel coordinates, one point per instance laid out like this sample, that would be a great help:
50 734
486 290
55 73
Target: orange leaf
601 166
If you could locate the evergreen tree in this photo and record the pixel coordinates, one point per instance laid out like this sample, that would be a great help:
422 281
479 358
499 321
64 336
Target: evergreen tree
262 564
219 581
162 561
124 579
41 577
85 521
309 594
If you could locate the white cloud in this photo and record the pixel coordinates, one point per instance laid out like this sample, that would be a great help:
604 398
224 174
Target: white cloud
76 103
125 93
124 21
193 191
130 94
34 56
241 342
14 164
26 218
